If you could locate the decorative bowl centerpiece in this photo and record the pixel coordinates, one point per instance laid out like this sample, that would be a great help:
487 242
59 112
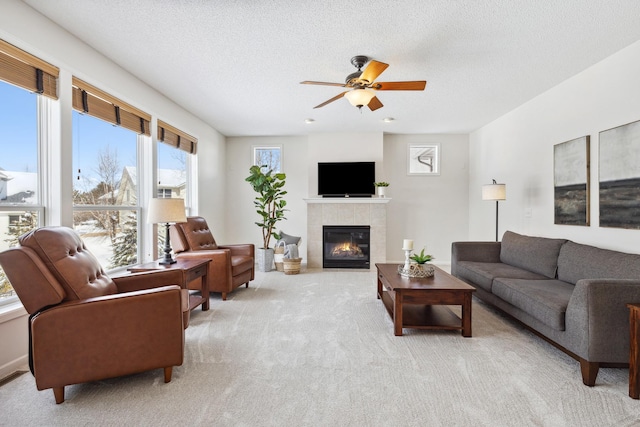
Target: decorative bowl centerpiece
420 268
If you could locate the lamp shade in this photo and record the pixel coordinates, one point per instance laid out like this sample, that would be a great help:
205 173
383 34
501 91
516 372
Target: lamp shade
359 97
166 210
494 191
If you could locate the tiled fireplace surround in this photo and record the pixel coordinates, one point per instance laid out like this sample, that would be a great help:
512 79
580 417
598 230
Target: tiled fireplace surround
346 211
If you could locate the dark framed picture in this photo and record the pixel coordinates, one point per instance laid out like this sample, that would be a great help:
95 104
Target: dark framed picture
571 171
619 176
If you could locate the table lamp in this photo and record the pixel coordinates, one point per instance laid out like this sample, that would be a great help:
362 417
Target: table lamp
166 211
495 192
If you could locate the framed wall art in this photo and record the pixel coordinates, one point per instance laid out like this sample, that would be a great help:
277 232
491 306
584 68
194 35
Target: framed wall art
619 176
571 182
268 156
423 159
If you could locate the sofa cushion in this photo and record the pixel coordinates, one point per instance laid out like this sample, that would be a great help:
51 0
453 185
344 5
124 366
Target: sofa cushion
483 273
577 261
544 300
537 254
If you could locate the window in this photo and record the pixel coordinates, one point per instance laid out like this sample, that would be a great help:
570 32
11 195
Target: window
270 157
175 150
20 198
107 136
105 189
164 193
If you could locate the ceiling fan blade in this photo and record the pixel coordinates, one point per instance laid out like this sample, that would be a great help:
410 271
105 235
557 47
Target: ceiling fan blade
414 85
308 82
373 70
335 98
374 104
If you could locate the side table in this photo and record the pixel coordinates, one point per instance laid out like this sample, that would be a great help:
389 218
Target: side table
191 270
634 350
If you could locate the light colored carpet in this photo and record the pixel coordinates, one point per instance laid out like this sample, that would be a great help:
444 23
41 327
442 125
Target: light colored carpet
317 349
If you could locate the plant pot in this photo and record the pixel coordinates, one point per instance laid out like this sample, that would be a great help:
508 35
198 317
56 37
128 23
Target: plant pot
264 259
382 191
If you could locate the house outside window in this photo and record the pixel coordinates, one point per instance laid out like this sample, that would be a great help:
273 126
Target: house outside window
21 208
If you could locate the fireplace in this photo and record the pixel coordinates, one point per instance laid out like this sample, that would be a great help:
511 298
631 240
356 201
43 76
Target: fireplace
345 246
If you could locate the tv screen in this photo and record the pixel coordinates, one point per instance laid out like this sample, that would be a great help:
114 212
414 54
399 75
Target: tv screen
346 179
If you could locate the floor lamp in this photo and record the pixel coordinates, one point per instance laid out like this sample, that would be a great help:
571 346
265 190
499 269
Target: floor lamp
495 192
167 212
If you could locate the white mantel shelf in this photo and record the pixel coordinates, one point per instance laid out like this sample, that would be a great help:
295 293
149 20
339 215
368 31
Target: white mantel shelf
367 200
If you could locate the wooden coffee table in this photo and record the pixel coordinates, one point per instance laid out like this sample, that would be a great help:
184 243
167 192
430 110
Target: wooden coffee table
421 303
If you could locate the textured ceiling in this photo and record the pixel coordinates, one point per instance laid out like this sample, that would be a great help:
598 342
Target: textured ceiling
237 64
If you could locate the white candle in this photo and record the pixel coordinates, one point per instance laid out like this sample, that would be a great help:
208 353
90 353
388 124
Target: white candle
407 245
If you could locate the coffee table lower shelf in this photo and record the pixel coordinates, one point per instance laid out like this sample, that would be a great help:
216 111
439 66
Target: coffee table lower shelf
423 316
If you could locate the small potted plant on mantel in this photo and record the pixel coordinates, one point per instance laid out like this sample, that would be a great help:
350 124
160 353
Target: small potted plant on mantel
381 188
270 205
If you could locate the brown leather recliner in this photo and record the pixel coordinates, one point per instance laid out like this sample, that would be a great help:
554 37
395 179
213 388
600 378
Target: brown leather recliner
85 326
231 265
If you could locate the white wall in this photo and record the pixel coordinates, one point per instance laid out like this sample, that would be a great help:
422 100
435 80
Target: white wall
240 213
430 210
517 150
23 27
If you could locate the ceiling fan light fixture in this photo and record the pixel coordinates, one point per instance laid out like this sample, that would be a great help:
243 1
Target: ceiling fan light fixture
359 97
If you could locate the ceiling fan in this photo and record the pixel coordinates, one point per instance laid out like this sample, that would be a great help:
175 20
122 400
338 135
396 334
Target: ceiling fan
363 84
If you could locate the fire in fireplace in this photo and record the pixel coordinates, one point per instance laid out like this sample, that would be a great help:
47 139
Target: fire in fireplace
345 246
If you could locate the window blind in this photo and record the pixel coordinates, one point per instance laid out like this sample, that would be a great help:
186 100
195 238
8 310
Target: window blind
176 138
95 102
26 71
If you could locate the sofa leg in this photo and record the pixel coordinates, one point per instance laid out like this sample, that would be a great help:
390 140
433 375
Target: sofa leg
167 374
224 296
589 372
58 393
246 285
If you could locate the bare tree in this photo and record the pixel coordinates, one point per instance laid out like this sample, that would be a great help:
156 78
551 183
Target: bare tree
108 170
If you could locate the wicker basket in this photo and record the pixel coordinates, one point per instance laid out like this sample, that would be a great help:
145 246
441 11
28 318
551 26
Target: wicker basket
292 265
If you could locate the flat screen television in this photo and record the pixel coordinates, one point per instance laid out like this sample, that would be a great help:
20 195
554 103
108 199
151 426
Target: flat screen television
346 179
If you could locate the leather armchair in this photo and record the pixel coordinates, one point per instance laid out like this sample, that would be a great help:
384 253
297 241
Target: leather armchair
85 326
231 265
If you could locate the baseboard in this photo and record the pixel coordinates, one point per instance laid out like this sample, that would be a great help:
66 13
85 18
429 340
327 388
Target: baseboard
20 364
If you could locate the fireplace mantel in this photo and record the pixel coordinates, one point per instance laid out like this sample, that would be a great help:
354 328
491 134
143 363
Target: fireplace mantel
339 200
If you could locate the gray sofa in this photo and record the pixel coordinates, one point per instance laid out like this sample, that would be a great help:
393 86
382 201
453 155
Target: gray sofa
572 294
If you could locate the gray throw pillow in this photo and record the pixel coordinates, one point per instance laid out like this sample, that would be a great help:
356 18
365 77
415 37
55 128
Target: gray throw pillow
288 239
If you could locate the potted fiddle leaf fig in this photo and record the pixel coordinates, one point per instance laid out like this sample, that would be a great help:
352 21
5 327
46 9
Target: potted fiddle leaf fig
270 206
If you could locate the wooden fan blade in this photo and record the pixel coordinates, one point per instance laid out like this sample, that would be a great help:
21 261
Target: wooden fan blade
331 100
414 85
374 104
308 82
373 70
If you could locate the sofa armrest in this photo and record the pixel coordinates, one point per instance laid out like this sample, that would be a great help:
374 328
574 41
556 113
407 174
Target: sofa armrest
474 251
108 336
598 318
147 280
240 249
